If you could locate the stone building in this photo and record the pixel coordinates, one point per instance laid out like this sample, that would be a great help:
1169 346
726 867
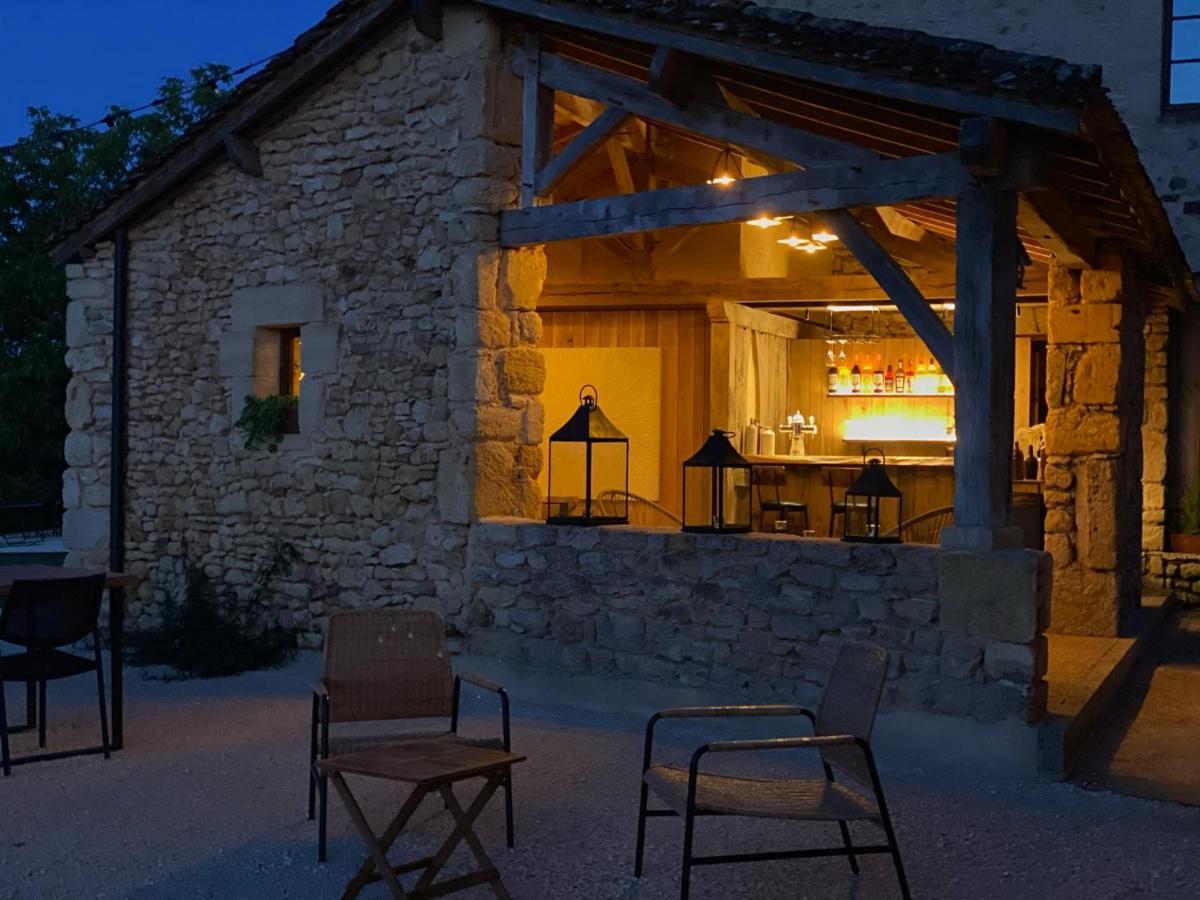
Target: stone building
368 224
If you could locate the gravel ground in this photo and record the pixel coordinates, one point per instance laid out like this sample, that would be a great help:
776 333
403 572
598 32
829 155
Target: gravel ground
207 800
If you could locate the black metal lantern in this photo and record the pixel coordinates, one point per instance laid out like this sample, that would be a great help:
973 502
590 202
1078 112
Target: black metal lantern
592 454
873 504
717 470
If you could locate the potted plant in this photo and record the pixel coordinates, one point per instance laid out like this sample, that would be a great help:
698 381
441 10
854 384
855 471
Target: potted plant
1187 539
264 420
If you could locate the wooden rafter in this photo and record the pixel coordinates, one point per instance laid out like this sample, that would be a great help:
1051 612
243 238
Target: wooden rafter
724 124
886 182
1046 216
244 155
597 132
1056 118
537 122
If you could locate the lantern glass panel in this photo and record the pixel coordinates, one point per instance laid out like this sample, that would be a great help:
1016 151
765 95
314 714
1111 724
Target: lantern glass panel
716 488
587 468
874 506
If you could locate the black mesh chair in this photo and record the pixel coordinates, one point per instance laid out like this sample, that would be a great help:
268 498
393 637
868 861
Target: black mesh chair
43 616
849 791
771 500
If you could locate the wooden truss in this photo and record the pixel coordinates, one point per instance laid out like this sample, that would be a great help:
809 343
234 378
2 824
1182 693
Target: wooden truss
995 181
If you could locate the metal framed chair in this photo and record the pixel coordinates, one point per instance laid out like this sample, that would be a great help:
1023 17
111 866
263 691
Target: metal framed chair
772 478
842 728
612 503
43 616
837 480
390 665
927 527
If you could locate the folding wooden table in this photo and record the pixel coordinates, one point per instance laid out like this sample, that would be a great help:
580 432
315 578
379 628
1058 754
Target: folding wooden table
116 582
430 766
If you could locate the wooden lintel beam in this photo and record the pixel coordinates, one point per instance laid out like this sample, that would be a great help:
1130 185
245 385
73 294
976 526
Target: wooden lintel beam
884 182
896 282
243 153
537 122
779 293
596 132
1049 220
722 123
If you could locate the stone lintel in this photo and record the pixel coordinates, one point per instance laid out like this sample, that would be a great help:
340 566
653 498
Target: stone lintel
287 304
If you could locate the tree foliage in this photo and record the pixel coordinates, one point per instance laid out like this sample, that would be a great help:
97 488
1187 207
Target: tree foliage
49 181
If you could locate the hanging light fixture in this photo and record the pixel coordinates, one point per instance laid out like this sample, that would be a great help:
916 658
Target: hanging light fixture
822 235
726 169
804 238
764 221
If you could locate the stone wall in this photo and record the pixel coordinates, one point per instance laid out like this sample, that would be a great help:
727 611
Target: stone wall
1095 384
1176 573
762 615
1155 418
378 198
1125 38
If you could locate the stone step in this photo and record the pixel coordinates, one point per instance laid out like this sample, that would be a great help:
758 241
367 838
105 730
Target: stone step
1083 677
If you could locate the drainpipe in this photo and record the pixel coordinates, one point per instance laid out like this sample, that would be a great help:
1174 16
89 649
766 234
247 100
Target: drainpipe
116 496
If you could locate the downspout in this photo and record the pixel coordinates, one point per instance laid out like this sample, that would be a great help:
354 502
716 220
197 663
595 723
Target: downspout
116 495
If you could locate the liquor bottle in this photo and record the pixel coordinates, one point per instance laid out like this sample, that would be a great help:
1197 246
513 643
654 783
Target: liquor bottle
843 372
934 380
1041 459
900 376
1018 462
889 380
1031 466
831 378
868 376
855 378
922 387
878 370
910 379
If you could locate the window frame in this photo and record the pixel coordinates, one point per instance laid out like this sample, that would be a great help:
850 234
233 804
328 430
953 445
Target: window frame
1169 64
288 336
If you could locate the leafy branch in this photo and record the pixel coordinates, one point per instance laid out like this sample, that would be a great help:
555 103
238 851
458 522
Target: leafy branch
263 418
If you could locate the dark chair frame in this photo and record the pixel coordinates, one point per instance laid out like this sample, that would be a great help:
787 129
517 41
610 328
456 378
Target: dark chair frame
780 507
39 661
848 848
318 782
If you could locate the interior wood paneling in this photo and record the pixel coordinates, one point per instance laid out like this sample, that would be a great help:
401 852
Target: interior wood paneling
682 335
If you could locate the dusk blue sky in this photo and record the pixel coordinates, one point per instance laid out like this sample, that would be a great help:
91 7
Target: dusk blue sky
80 56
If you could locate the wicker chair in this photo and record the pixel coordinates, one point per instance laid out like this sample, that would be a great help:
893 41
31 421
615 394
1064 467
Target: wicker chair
389 665
841 733
927 527
612 503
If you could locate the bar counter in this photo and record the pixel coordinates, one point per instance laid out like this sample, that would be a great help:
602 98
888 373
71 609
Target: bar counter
900 462
927 483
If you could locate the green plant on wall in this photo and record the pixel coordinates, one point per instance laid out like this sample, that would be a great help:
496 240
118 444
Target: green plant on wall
1189 512
209 630
263 418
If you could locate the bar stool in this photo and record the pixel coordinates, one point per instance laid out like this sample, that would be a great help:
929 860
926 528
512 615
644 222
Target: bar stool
837 480
772 477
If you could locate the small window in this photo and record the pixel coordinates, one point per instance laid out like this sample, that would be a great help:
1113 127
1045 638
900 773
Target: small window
290 375
1181 57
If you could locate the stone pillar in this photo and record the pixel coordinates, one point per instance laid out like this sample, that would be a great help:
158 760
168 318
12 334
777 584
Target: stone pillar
1096 358
496 379
1154 430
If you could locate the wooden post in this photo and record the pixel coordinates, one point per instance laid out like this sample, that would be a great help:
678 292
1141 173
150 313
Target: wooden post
537 126
984 342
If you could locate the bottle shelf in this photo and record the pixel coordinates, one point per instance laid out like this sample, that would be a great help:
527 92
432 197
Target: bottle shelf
871 395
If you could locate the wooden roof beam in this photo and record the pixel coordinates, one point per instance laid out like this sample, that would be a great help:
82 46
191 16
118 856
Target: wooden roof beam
896 282
731 51
883 182
724 124
1048 218
596 133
